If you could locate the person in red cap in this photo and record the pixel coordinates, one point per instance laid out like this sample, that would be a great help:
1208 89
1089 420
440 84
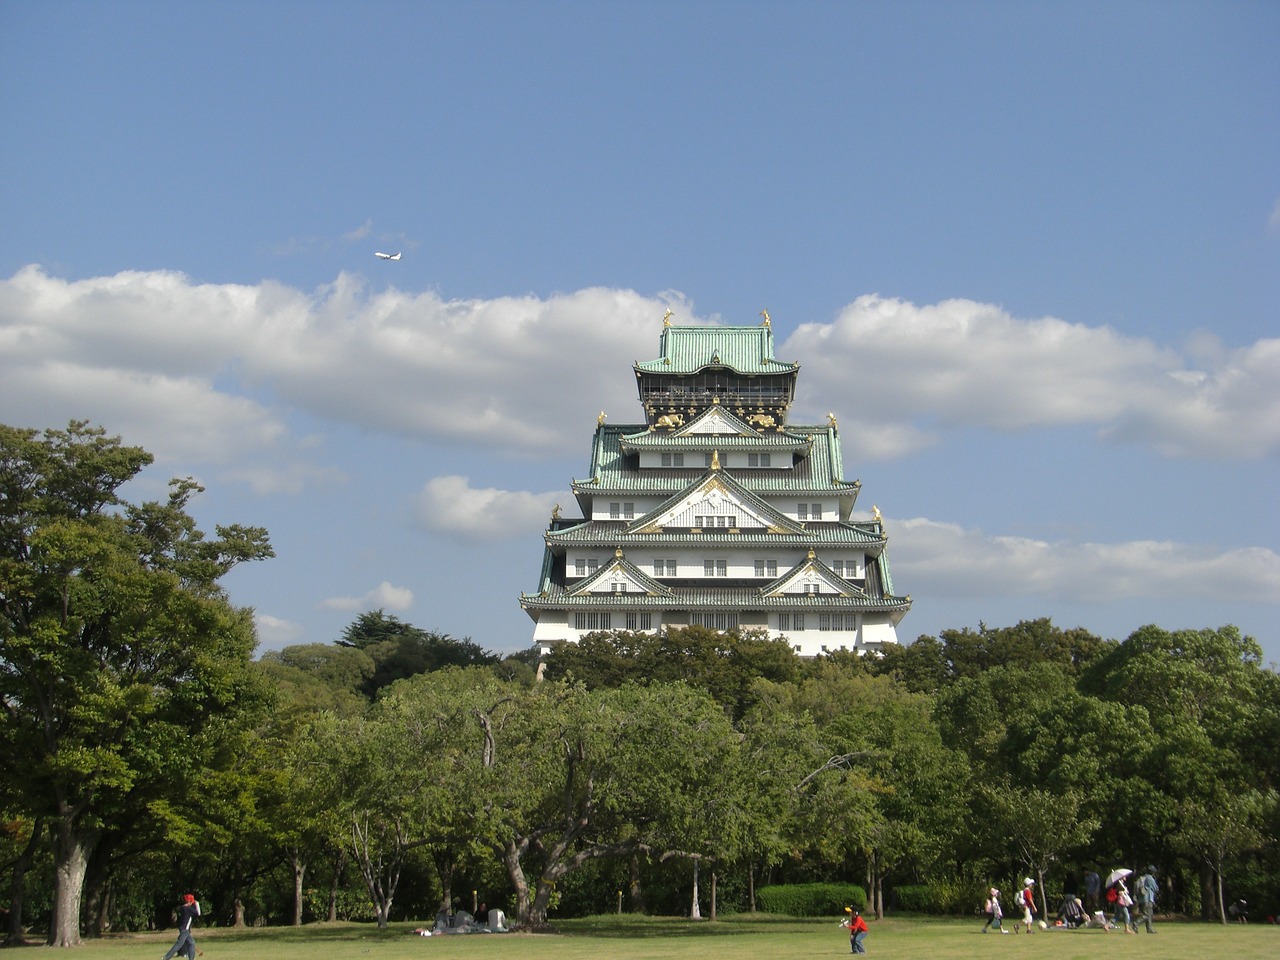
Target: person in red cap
187 915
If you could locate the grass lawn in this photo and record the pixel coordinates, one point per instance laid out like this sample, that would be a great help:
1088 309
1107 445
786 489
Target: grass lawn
733 938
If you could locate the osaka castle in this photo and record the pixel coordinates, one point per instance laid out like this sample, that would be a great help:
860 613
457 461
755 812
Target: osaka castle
716 511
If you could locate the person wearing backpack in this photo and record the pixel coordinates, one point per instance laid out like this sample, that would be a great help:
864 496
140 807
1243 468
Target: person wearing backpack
1027 900
995 916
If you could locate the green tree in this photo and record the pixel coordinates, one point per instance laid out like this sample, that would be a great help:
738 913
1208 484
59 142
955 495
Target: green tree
121 660
400 650
724 664
1220 831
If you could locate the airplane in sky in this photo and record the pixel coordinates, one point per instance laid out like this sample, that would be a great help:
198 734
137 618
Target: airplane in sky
388 256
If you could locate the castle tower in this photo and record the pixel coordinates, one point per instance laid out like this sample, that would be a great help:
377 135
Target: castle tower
717 512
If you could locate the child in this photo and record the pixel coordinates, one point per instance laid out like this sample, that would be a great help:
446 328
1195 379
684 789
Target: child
857 930
995 915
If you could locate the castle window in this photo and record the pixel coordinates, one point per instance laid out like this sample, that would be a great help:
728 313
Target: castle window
766 568
592 620
715 568
673 459
757 459
640 621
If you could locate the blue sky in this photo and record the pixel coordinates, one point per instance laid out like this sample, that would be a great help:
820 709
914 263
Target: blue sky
1027 253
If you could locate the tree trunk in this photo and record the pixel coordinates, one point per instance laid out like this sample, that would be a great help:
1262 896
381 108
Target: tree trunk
102 912
238 922
751 886
299 872
339 867
1222 904
635 892
510 854
1208 899
694 912
72 849
18 887
713 895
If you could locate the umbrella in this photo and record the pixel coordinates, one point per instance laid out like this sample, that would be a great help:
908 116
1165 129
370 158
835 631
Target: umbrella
1115 875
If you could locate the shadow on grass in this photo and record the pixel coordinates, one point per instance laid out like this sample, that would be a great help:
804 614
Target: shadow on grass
633 926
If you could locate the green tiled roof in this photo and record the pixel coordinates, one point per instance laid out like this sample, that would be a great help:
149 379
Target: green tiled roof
739 491
655 587
596 533
613 472
745 350
686 437
730 598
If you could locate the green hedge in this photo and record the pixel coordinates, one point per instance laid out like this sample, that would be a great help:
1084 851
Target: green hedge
949 897
811 899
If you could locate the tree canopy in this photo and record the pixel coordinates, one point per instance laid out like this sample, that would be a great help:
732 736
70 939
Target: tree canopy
394 769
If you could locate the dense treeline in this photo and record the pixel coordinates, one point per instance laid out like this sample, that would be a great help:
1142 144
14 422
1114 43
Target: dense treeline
394 769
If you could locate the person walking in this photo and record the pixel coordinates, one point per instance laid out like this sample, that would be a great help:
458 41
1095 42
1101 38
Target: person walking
1027 900
1123 902
188 913
1147 889
995 915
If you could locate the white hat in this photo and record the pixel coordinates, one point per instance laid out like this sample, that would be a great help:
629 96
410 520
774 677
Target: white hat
1028 882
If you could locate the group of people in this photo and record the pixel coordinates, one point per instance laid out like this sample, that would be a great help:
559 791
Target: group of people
1024 905
1075 913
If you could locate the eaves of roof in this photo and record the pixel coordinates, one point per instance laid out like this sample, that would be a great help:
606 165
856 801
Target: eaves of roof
815 535
743 598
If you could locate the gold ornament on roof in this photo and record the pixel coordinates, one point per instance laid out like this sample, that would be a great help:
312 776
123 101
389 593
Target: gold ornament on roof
618 553
666 317
765 314
602 418
875 512
831 419
715 459
555 512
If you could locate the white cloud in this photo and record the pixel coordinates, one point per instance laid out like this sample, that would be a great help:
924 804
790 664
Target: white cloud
450 505
359 233
221 375
946 560
274 633
382 597
908 373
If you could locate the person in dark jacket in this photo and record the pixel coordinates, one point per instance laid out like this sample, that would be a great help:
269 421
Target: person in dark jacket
188 913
